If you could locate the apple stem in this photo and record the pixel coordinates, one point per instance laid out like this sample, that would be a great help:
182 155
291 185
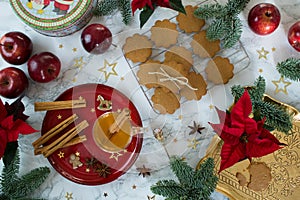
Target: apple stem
268 14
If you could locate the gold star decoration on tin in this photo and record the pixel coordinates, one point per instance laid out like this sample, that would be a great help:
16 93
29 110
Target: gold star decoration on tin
108 69
281 85
61 154
262 53
69 196
115 156
193 143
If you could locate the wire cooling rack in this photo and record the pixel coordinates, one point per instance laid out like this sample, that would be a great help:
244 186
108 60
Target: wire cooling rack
236 54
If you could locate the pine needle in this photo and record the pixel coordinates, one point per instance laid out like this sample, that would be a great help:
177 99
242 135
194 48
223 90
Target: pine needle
290 68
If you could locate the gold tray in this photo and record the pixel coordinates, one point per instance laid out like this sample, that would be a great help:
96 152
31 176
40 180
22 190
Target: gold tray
284 166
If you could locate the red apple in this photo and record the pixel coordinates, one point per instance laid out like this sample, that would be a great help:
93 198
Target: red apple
294 36
96 38
264 18
43 67
15 47
13 82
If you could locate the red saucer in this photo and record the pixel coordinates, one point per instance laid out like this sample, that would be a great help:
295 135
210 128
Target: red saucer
119 162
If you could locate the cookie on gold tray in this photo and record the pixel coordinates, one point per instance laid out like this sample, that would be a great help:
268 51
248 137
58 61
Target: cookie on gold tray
203 47
165 101
189 23
137 48
180 55
164 33
144 73
196 87
219 70
171 76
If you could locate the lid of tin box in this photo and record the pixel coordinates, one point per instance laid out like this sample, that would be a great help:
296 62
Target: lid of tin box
52 15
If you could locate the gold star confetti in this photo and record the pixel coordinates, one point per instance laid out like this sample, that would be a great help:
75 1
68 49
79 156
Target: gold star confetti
134 187
193 143
74 80
211 106
87 170
79 62
69 196
61 154
180 117
93 110
74 49
122 78
59 116
260 70
108 69
151 198
281 85
125 150
262 53
273 49
115 156
60 46
77 153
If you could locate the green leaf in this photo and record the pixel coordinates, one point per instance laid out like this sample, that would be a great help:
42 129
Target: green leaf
10 152
145 15
177 5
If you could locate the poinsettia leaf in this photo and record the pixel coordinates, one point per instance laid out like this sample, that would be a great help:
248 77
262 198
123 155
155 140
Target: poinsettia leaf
227 134
241 110
177 5
145 15
10 152
7 123
261 147
20 127
138 4
3 112
231 154
16 109
250 126
3 142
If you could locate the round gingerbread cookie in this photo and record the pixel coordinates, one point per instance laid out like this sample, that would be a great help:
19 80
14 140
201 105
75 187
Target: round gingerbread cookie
219 70
189 22
196 88
181 55
203 47
137 48
165 101
164 33
147 73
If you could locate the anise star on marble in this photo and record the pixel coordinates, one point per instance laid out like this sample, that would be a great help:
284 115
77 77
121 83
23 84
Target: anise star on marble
144 171
196 128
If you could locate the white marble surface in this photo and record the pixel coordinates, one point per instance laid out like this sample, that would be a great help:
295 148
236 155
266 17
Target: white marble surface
80 67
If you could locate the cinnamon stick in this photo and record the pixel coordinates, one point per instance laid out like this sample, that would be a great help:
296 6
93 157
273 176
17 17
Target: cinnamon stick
58 105
52 132
120 120
65 138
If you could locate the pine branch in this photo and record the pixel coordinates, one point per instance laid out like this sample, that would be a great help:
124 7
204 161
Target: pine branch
237 91
105 7
276 117
183 171
168 188
226 15
125 8
257 91
290 68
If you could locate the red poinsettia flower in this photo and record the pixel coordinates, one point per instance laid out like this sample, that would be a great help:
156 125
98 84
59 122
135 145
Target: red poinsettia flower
140 4
162 3
10 128
243 136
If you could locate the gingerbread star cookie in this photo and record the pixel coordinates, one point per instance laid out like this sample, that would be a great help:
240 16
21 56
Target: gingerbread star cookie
203 47
137 48
189 23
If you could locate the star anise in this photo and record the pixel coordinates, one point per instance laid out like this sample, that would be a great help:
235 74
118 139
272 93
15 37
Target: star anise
196 128
144 171
102 169
90 162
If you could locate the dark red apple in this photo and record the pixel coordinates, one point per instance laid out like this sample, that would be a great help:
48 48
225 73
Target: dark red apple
43 67
15 47
264 18
96 38
13 82
294 36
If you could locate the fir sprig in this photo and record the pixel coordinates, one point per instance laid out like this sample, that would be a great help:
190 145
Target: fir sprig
193 184
276 116
107 7
14 187
290 68
223 20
